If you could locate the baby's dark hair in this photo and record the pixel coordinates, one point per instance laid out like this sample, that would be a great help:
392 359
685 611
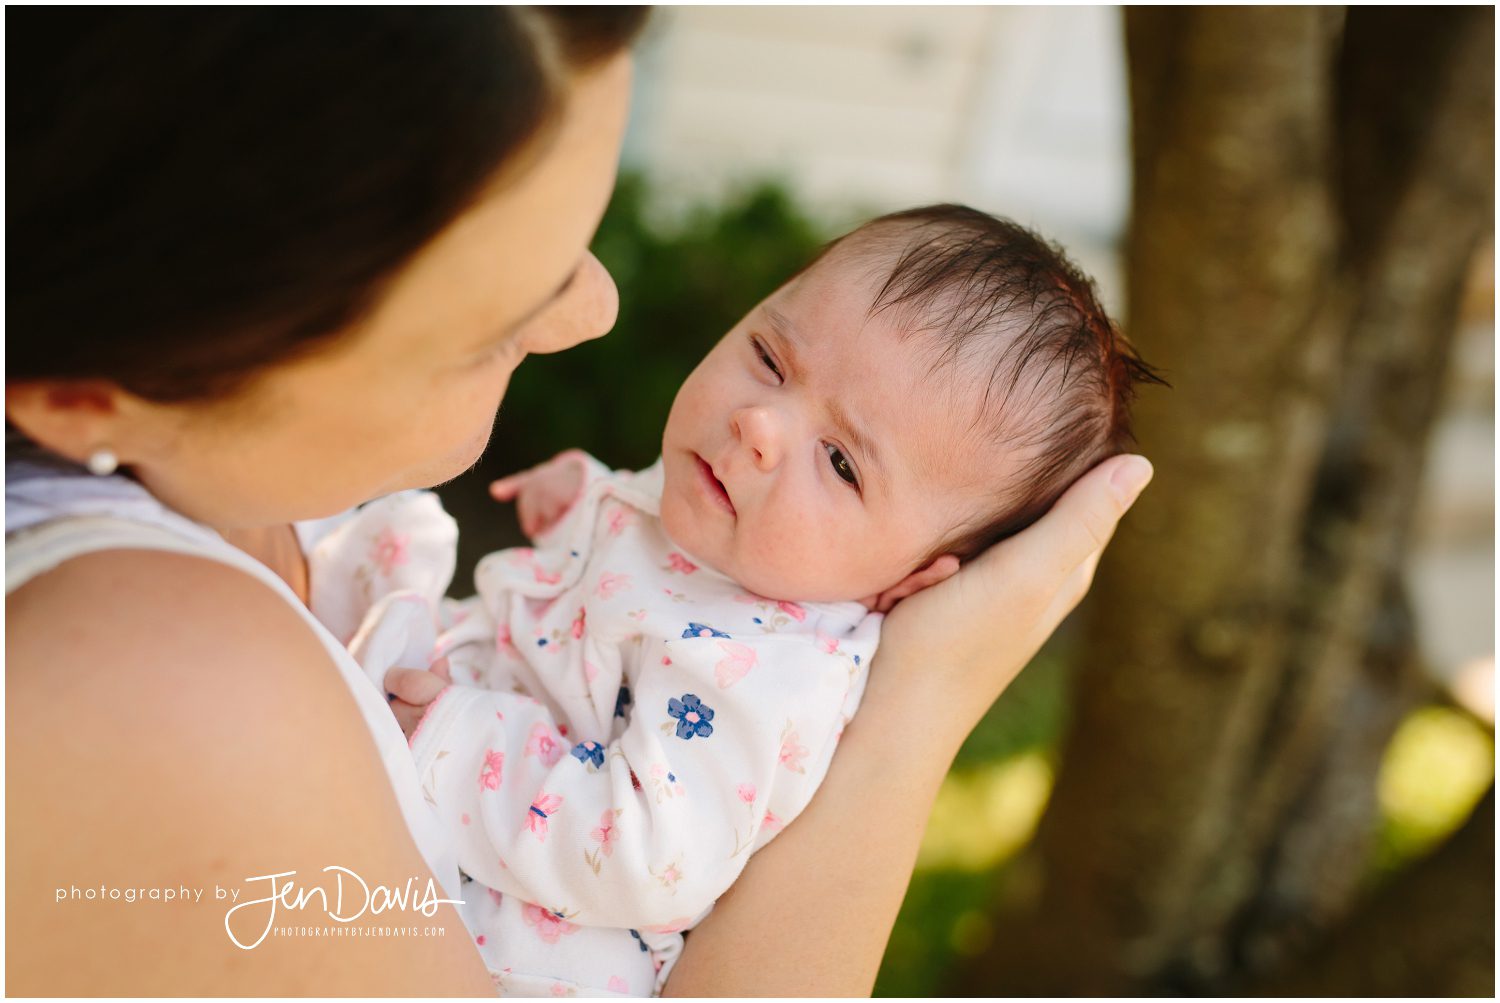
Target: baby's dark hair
1058 375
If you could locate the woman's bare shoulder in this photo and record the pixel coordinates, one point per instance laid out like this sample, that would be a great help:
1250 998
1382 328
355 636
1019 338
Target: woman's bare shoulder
174 723
175 639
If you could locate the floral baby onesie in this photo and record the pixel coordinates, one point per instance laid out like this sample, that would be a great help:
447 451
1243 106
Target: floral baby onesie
627 725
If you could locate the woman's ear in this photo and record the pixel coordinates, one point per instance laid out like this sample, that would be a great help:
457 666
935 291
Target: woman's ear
937 570
72 418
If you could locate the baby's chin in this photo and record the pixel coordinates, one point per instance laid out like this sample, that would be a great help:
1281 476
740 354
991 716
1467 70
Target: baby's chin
793 585
767 575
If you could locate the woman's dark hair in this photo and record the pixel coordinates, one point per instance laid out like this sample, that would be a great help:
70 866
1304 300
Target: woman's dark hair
195 195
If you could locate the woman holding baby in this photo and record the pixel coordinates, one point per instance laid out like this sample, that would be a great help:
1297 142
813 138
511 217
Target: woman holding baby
270 266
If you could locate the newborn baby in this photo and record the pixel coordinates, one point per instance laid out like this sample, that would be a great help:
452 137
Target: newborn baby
649 695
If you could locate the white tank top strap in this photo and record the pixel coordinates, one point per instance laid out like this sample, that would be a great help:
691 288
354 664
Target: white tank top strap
37 550
39 545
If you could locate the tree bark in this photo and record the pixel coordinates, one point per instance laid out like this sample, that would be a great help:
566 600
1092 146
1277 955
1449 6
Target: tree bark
1381 951
1309 188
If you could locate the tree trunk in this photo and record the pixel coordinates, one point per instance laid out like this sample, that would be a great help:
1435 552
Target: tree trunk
1309 188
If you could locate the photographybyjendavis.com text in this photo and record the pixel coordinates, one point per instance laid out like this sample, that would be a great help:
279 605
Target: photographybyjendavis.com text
323 906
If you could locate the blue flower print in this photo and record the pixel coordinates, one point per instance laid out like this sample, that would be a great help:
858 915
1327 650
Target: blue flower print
702 630
589 752
692 716
637 935
622 700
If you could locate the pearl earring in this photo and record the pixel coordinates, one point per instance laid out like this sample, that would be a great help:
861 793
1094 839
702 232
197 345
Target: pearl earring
103 462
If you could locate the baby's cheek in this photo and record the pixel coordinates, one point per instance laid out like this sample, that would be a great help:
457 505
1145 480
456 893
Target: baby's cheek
792 560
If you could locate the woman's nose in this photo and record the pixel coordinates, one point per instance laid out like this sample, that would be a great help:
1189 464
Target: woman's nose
587 309
759 432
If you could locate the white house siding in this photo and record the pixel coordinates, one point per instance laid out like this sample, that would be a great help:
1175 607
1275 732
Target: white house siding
1019 111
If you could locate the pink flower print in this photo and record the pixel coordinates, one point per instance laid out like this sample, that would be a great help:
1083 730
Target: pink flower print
542 808
746 793
464 818
771 823
590 670
605 834
666 777
677 925
489 775
494 895
544 576
559 990
740 660
617 985
676 562
669 876
828 644
504 641
792 610
389 551
549 925
619 518
479 940
792 753
610 583
578 623
540 743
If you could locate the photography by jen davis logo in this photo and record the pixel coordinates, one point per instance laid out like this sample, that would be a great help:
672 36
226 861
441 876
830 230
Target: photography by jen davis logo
342 897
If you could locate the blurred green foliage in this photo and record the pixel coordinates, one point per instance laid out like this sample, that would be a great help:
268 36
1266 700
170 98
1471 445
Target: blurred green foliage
946 914
682 286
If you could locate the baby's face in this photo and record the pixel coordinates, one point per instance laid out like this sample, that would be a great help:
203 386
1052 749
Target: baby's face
812 456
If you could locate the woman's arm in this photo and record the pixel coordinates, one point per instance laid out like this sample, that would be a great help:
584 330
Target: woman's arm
171 723
812 912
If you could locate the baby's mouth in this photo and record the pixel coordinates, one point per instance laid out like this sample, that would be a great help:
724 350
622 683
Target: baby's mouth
712 486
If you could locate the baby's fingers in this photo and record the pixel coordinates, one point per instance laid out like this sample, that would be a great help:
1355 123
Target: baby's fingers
414 686
407 716
506 488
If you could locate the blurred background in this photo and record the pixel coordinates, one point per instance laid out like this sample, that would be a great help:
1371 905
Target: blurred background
1260 759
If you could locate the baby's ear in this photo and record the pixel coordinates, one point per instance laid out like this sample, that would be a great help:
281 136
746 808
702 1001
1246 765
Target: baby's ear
937 570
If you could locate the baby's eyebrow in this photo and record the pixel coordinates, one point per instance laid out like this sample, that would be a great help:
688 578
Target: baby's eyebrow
862 443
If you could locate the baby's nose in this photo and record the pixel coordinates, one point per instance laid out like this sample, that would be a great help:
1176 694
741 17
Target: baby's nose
758 431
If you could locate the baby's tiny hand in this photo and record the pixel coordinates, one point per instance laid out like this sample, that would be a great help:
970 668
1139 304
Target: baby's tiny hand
412 691
544 493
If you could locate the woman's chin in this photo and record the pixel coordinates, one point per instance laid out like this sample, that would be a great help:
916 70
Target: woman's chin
450 467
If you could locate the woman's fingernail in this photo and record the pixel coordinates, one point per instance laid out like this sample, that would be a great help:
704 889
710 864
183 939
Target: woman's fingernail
1130 478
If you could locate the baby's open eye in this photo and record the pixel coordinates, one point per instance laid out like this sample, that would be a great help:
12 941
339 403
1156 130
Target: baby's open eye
765 357
841 465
